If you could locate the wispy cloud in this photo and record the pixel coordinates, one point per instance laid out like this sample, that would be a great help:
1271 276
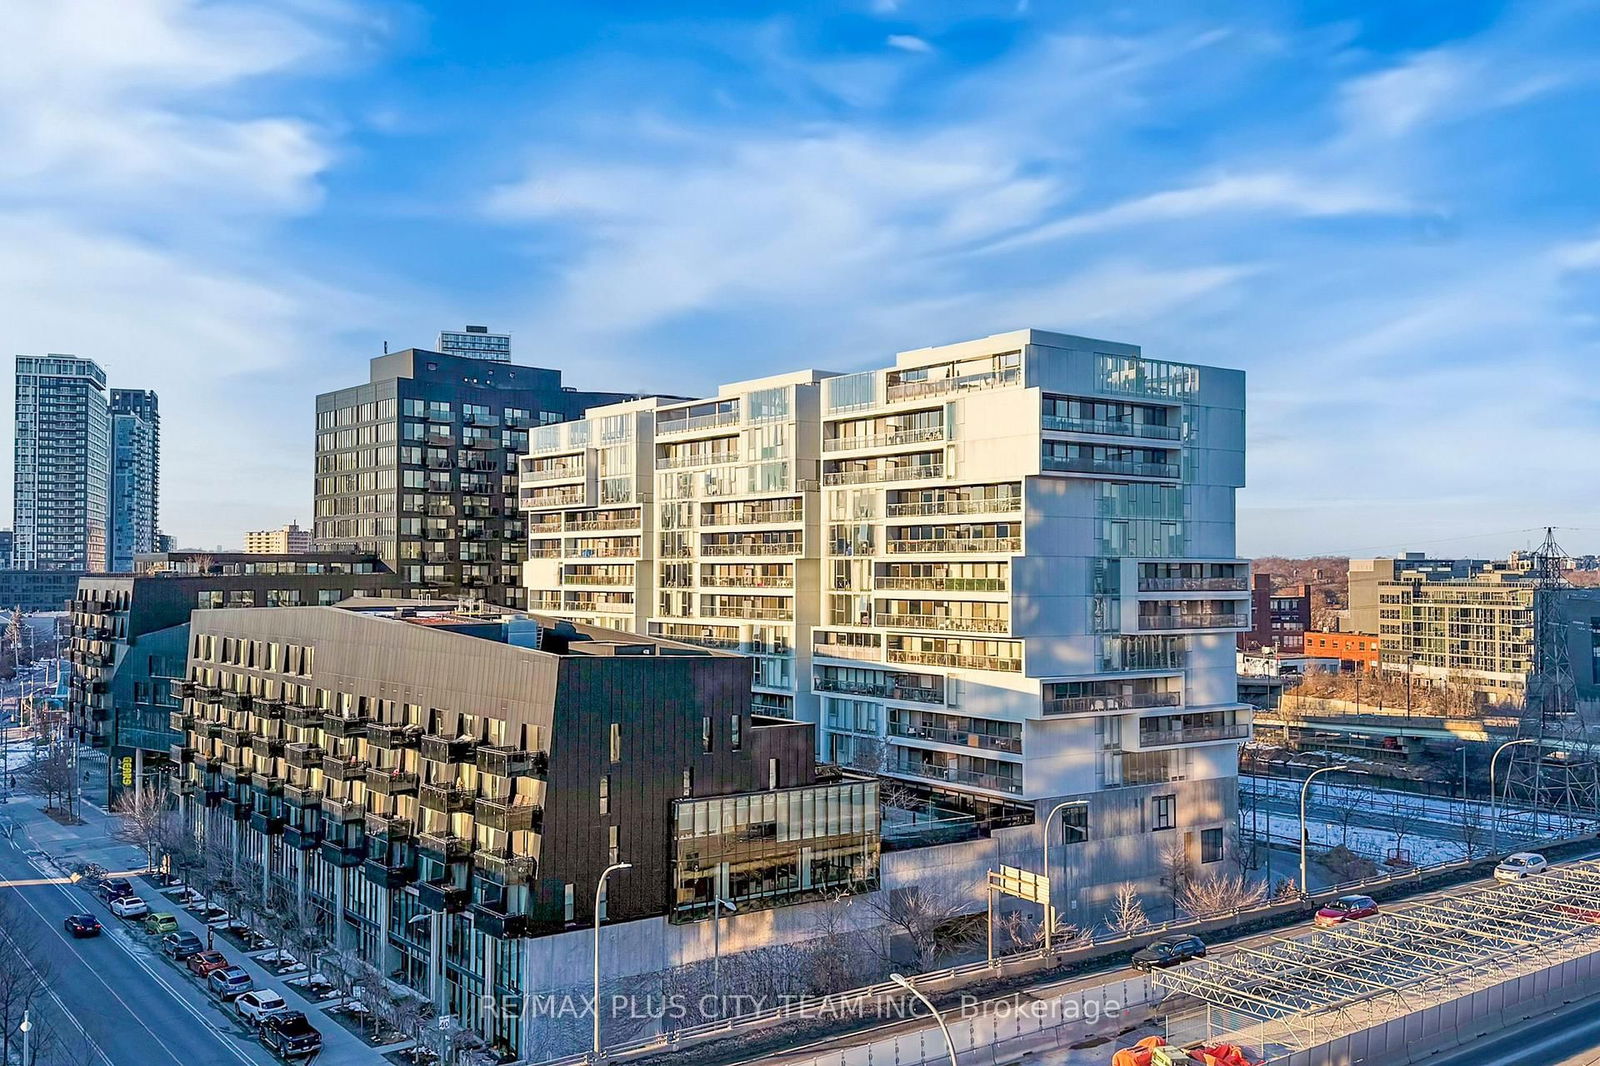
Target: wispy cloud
907 42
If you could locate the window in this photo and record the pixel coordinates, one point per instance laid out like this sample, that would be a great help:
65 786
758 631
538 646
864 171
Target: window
735 733
1163 812
616 742
705 734
688 782
613 843
1074 825
567 910
772 773
1210 845
605 793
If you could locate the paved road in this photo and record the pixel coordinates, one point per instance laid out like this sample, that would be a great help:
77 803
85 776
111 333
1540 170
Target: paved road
1569 1037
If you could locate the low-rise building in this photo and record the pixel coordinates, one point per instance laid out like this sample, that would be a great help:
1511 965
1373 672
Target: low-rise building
285 540
437 789
1355 651
129 634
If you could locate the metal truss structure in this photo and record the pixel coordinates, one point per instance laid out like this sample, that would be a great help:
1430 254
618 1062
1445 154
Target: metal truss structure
1298 992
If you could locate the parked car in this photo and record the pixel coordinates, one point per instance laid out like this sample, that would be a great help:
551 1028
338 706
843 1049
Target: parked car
1169 951
1346 909
202 963
229 982
260 1005
180 946
129 907
161 922
289 1035
111 888
1522 864
82 925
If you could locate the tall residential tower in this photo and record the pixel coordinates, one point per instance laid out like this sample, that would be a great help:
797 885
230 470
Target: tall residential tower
135 475
62 464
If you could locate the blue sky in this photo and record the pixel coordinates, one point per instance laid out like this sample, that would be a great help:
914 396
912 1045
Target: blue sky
1384 212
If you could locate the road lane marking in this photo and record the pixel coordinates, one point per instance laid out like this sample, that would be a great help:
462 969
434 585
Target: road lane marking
54 998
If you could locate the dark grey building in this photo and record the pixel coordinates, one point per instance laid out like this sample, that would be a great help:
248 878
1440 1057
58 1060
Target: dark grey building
129 638
135 475
418 467
38 590
432 786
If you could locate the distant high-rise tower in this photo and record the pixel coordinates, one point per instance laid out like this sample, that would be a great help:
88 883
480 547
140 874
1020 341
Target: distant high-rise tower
135 475
476 342
63 464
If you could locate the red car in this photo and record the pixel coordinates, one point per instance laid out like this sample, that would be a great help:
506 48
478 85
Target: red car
1345 909
201 963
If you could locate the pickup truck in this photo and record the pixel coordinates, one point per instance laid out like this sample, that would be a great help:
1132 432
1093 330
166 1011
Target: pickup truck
289 1036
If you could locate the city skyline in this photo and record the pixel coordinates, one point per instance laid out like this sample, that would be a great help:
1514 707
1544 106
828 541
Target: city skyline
1335 207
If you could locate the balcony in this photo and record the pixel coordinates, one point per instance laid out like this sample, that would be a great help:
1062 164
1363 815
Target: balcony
208 730
448 799
344 768
303 756
1117 467
235 775
301 795
441 896
266 824
916 390
983 505
944 624
235 807
393 736
301 716
1145 430
1194 621
784 547
1203 734
389 872
234 701
862 652
390 827
180 721
693 423
266 747
505 869
512 762
233 738
491 921
338 725
270 709
181 753
446 847
1194 584
441 749
339 853
342 810
883 690
302 837
510 817
1132 701
904 472
963 737
383 782
553 473
962 662
739 610
956 775
884 440
180 787
953 545
182 689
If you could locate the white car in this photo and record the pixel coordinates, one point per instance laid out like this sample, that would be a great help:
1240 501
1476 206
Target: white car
129 907
262 1003
1522 864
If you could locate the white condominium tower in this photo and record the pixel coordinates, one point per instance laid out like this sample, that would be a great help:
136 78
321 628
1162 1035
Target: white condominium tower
1000 571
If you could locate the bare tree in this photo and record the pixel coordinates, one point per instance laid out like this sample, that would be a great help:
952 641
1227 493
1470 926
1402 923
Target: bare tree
24 973
933 919
1343 802
144 820
1127 913
53 775
1175 872
840 953
1471 826
1401 820
1220 894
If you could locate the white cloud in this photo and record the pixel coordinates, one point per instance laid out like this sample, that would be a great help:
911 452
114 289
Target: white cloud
909 43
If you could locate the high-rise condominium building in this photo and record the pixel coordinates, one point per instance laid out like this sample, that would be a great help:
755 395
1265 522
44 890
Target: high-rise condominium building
1000 571
285 540
476 342
418 466
135 475
62 464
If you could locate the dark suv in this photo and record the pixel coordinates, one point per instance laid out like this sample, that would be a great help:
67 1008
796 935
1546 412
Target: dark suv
1168 951
288 1035
111 888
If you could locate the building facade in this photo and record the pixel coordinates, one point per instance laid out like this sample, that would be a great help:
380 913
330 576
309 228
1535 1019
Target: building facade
285 540
476 342
1001 572
418 467
135 502
129 638
38 590
434 788
1356 652
62 473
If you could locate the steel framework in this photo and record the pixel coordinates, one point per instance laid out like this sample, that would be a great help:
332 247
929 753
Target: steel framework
1299 991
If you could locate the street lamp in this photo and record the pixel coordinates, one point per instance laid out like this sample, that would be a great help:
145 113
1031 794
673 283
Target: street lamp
718 904
1050 897
27 1040
599 890
1304 790
1494 800
949 1042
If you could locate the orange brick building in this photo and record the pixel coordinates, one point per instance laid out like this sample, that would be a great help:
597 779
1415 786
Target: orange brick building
1355 651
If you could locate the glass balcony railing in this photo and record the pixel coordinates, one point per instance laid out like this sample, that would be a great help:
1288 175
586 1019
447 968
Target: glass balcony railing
1120 429
1132 701
1193 621
1087 465
955 775
1203 734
